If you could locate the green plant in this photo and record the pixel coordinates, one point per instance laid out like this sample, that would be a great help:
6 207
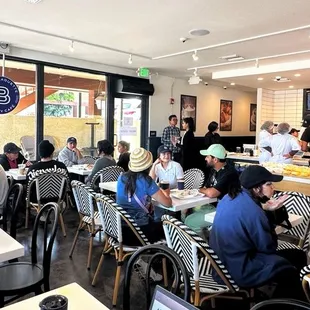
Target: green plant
61 96
57 110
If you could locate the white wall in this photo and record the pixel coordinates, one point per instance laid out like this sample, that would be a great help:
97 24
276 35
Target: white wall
208 105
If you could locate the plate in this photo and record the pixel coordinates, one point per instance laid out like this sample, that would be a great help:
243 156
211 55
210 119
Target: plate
187 194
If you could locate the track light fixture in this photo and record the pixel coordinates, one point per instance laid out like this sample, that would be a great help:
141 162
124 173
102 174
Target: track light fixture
195 56
130 59
71 47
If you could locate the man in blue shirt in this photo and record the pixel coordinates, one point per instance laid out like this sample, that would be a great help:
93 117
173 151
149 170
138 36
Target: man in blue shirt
246 242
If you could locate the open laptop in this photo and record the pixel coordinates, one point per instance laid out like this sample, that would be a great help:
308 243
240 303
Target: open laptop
164 300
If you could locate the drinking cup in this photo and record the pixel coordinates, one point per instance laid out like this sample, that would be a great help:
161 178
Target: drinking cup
22 169
54 302
238 149
180 184
164 185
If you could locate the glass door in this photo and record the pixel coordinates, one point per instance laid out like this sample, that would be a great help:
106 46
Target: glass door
127 121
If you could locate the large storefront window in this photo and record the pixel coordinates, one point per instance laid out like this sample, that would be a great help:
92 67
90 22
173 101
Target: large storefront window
73 101
18 126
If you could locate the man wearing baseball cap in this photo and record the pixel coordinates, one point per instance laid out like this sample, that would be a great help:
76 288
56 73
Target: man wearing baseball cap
305 138
11 157
222 179
70 155
246 242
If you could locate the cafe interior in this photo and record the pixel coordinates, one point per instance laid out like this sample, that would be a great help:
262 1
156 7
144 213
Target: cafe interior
117 71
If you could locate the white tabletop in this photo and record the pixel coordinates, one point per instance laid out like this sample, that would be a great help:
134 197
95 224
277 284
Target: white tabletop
79 169
240 156
293 218
9 247
16 176
178 204
78 299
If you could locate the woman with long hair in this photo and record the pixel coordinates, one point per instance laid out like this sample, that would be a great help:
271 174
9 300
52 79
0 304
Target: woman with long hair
212 136
123 149
135 189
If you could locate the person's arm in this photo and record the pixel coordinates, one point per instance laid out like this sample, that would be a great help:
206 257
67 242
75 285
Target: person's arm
179 171
63 157
304 146
97 166
295 148
305 139
210 192
152 173
163 198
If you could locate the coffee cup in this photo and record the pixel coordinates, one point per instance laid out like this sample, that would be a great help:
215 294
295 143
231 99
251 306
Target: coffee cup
22 169
180 184
164 185
55 302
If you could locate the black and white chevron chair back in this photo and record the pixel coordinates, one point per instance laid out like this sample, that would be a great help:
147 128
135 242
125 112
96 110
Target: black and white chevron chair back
193 178
84 198
112 214
186 243
49 185
298 203
108 174
89 159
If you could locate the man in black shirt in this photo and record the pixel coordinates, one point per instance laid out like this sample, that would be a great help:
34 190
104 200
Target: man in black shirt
305 138
222 179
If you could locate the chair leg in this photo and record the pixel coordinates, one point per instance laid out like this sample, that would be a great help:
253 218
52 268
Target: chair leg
38 290
1 301
98 270
62 224
75 239
213 303
90 250
197 294
165 276
27 217
117 282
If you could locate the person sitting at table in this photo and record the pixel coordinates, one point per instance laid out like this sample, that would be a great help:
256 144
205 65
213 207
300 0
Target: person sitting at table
165 169
70 155
4 187
244 238
221 180
135 188
123 149
105 151
12 157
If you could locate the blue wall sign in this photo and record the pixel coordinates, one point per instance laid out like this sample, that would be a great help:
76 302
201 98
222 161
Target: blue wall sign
9 95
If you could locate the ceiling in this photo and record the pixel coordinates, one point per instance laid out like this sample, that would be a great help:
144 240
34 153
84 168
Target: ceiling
151 29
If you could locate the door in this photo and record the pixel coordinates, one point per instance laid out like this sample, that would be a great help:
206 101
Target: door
127 121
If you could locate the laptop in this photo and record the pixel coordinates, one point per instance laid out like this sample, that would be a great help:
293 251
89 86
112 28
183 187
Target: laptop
164 300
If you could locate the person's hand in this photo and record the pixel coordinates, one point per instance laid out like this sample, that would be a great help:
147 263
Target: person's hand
28 163
156 162
75 150
274 204
287 156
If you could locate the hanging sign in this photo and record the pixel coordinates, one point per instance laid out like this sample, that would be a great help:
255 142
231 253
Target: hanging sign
9 95
128 131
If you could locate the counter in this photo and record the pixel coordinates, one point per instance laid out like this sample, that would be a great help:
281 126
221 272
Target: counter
294 184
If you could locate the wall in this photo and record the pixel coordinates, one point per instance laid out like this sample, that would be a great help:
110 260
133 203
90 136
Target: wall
208 105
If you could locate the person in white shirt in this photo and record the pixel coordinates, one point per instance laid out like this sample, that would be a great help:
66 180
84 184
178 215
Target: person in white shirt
4 187
283 145
165 169
265 133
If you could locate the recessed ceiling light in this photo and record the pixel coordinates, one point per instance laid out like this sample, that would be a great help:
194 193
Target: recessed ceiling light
297 74
291 86
232 84
260 79
33 1
199 32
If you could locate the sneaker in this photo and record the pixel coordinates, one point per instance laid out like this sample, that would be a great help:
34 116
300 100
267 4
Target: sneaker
140 267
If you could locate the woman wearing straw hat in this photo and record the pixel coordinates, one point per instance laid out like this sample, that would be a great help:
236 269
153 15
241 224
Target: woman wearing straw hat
134 190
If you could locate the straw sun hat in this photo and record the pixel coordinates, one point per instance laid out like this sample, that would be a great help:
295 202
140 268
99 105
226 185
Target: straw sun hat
140 160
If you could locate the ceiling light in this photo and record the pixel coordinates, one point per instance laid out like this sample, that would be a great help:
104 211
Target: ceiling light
297 74
71 47
291 86
199 32
33 1
232 84
228 56
260 79
235 58
195 56
130 59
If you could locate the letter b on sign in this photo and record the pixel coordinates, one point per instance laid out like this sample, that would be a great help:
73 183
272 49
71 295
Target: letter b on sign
4 95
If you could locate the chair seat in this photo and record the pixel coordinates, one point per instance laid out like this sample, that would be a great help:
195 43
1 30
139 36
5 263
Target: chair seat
208 285
287 246
19 276
87 219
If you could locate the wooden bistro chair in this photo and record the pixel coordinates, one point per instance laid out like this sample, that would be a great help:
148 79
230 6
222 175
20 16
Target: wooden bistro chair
85 199
297 203
48 186
21 278
108 174
111 216
199 258
193 178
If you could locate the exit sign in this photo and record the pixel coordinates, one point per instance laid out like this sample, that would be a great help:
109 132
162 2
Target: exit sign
144 72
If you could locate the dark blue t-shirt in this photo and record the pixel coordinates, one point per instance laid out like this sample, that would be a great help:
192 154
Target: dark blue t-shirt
144 190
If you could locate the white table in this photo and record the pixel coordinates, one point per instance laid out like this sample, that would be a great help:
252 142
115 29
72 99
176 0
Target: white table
15 174
78 299
9 247
177 204
79 170
293 218
239 156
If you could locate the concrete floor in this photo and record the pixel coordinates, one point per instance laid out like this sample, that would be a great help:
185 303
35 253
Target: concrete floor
65 270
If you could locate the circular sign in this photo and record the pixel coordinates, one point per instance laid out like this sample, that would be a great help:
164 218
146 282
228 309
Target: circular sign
9 95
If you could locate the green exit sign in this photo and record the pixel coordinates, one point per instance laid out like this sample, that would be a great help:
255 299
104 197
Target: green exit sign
144 72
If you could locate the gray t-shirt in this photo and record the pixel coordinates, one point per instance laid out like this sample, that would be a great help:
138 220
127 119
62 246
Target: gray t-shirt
101 163
69 158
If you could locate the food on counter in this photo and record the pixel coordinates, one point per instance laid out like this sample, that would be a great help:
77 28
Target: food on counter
287 169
